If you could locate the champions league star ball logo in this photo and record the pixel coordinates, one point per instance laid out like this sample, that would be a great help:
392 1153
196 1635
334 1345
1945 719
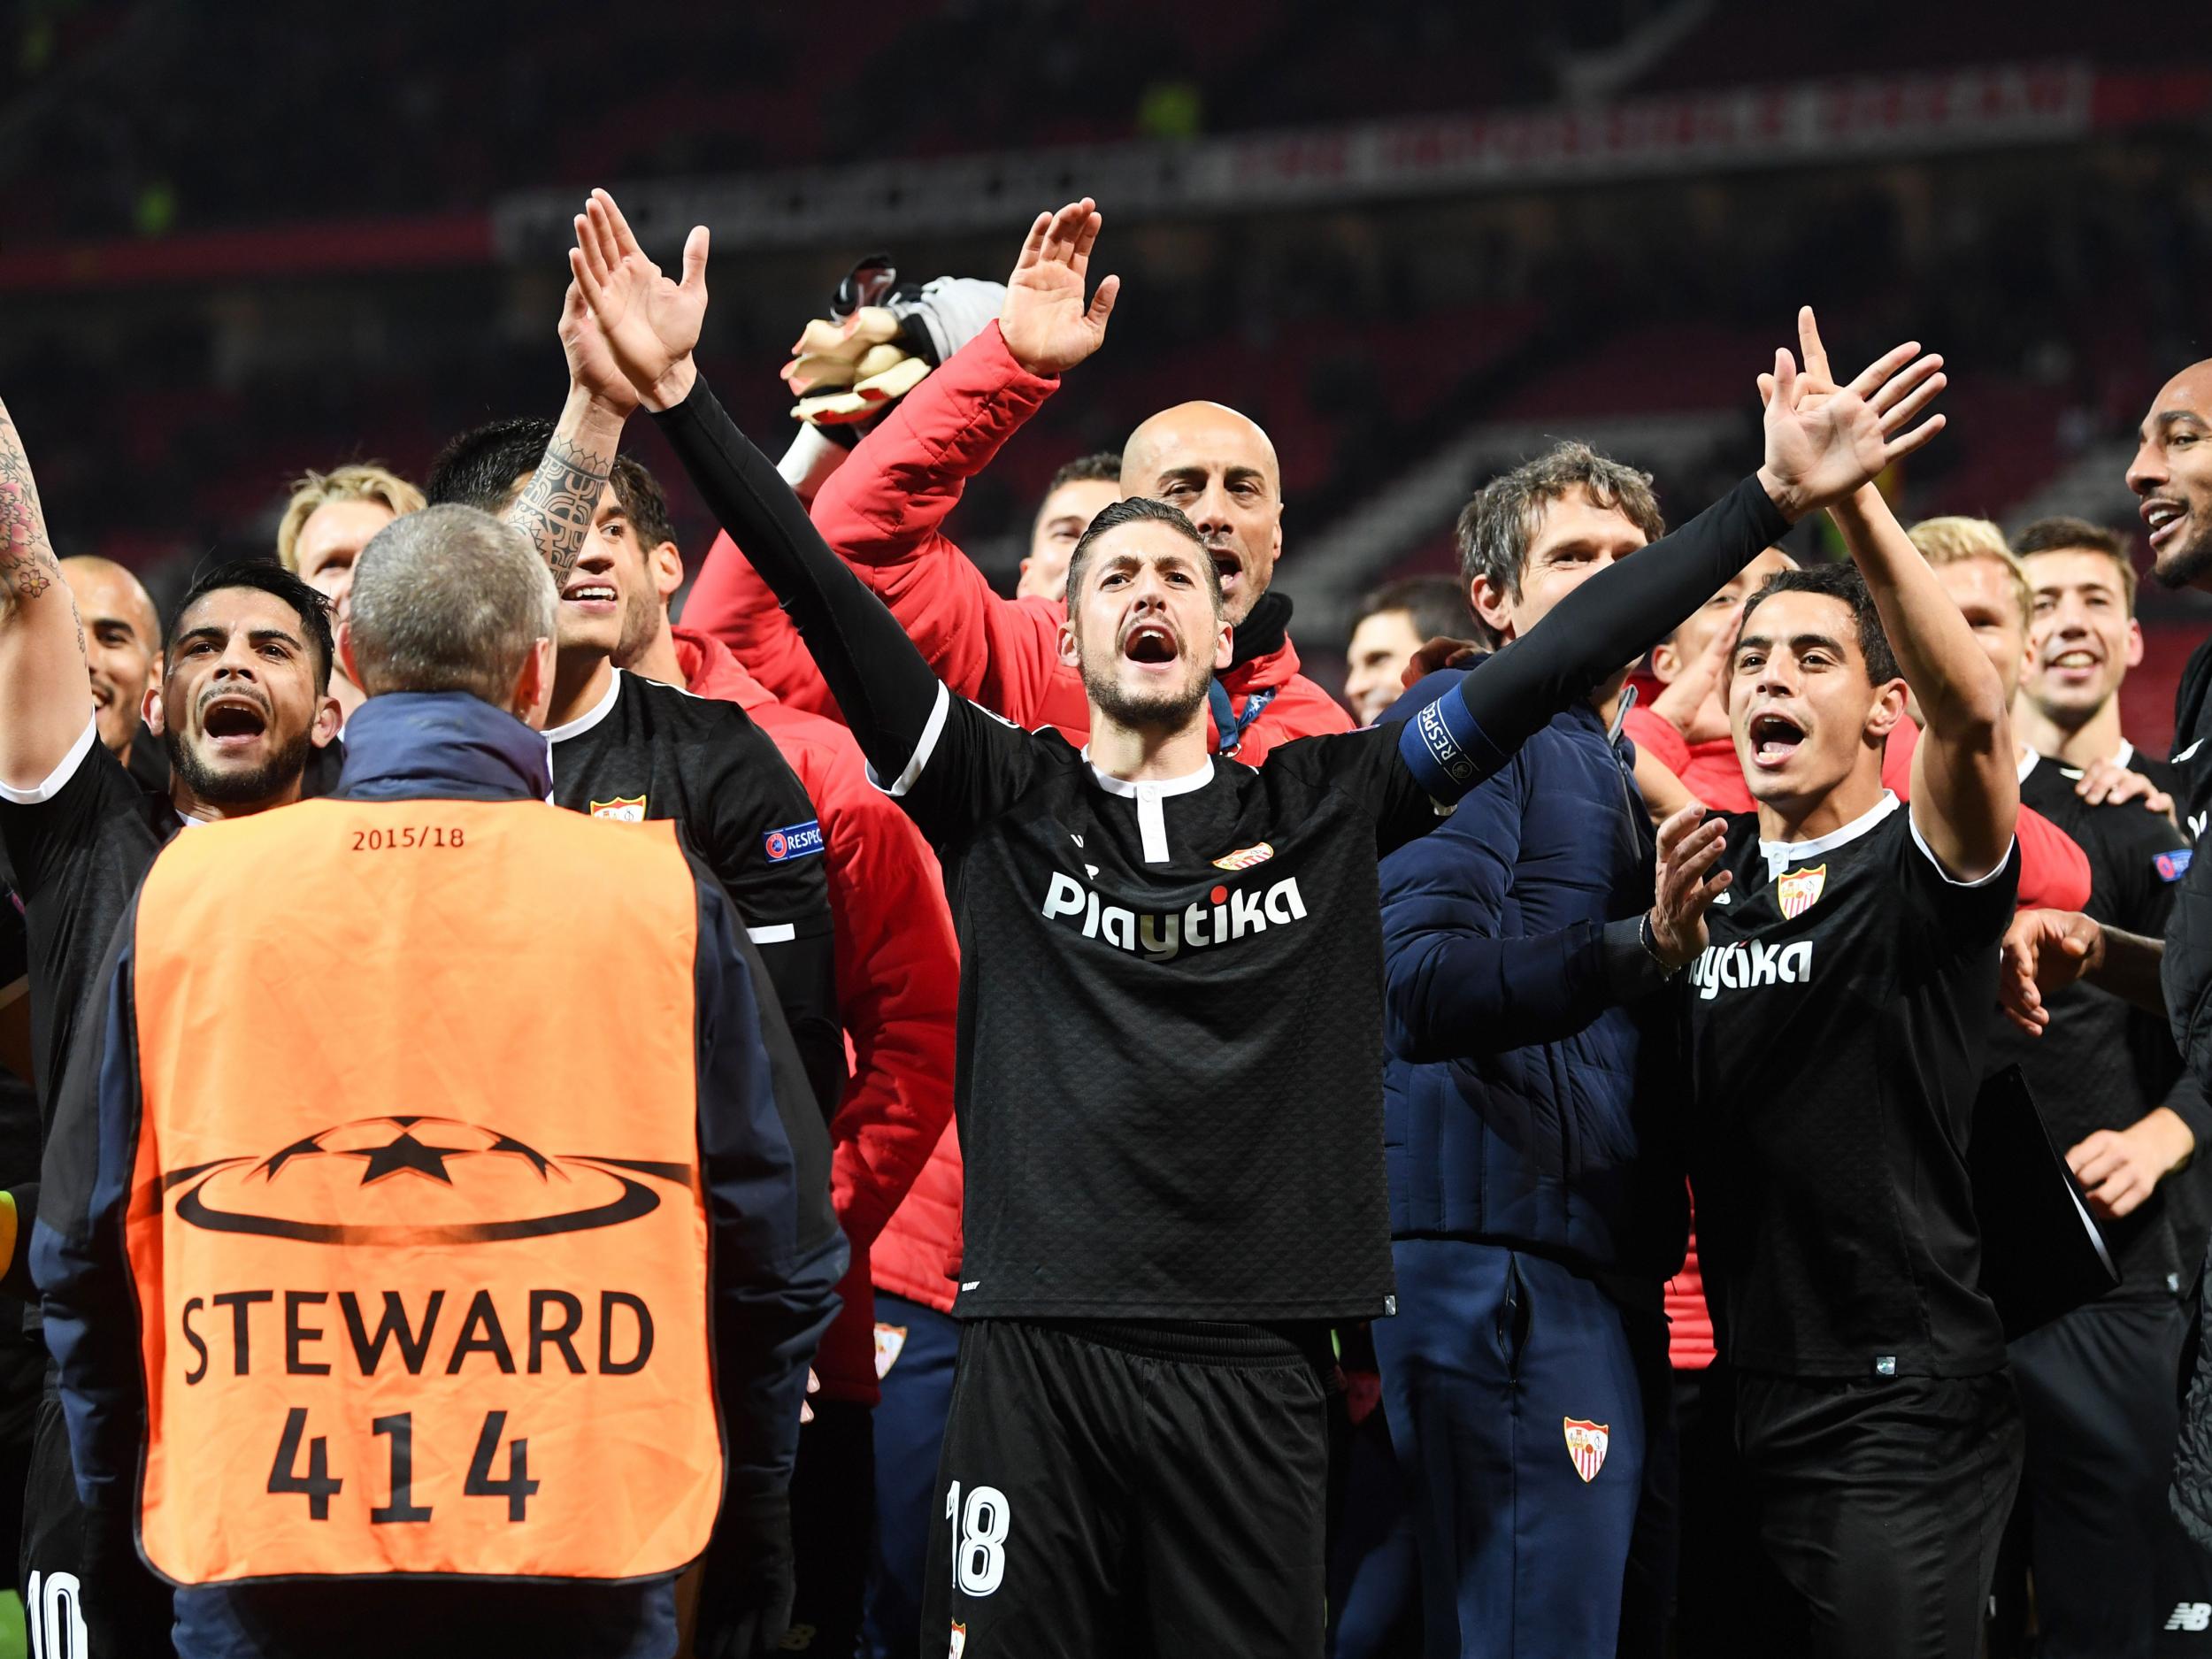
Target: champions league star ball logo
417 1180
1800 889
1586 1444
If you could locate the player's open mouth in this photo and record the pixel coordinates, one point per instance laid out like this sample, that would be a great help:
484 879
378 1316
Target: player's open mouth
2073 660
1152 643
593 595
232 722
1774 738
2163 519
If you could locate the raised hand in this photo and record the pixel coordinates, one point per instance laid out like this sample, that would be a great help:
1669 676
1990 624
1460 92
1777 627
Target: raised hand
1816 378
650 323
1688 850
1823 444
591 365
1046 324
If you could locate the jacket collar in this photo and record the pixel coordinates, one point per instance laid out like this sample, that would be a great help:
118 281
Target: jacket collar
408 745
1260 654
712 669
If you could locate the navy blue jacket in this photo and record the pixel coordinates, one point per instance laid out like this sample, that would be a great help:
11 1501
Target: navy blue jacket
1529 1090
777 1256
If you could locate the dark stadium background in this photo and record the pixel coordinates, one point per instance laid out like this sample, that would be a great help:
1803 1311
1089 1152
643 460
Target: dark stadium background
1414 241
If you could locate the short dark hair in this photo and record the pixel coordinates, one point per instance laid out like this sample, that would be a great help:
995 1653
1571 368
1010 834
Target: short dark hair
2063 534
266 576
1102 468
1140 509
1437 604
1836 581
643 503
1496 527
479 468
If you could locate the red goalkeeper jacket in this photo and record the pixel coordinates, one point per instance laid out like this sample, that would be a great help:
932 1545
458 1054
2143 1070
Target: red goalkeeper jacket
898 977
917 1253
884 513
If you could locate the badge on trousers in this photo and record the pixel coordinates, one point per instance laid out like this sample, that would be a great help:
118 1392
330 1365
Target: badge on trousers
1586 1445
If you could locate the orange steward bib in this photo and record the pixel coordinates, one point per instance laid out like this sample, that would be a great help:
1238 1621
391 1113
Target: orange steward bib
416 1225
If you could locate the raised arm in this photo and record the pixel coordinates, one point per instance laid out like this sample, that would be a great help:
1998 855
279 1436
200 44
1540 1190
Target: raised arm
44 691
1819 449
1965 780
891 700
1966 776
554 507
884 511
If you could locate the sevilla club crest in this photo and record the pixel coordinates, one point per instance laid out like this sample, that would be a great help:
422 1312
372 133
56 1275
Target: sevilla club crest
1586 1444
625 808
1800 889
1245 857
959 1640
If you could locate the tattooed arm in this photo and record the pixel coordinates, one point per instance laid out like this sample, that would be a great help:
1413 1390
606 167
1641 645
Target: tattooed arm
555 507
45 695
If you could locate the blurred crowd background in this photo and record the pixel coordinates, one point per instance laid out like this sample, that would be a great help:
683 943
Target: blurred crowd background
1415 241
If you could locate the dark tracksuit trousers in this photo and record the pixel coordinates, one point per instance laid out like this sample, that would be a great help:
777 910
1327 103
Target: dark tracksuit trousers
1499 1368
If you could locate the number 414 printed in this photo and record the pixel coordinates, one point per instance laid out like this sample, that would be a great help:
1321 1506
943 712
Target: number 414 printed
318 1486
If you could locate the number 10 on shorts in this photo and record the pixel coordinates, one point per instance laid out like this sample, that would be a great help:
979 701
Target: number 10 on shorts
979 1538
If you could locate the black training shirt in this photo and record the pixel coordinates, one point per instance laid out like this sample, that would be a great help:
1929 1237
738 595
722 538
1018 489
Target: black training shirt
1838 1023
79 842
2192 740
1170 1087
2163 775
2101 1063
646 750
19 1102
1170 1072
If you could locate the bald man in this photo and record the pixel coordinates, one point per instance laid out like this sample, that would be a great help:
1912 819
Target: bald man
122 649
884 510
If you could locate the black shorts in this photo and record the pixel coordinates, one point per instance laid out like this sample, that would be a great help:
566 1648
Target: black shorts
86 1593
1881 1502
1124 1488
2113 1570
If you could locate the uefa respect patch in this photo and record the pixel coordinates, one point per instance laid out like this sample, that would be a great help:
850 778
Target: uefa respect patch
794 841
